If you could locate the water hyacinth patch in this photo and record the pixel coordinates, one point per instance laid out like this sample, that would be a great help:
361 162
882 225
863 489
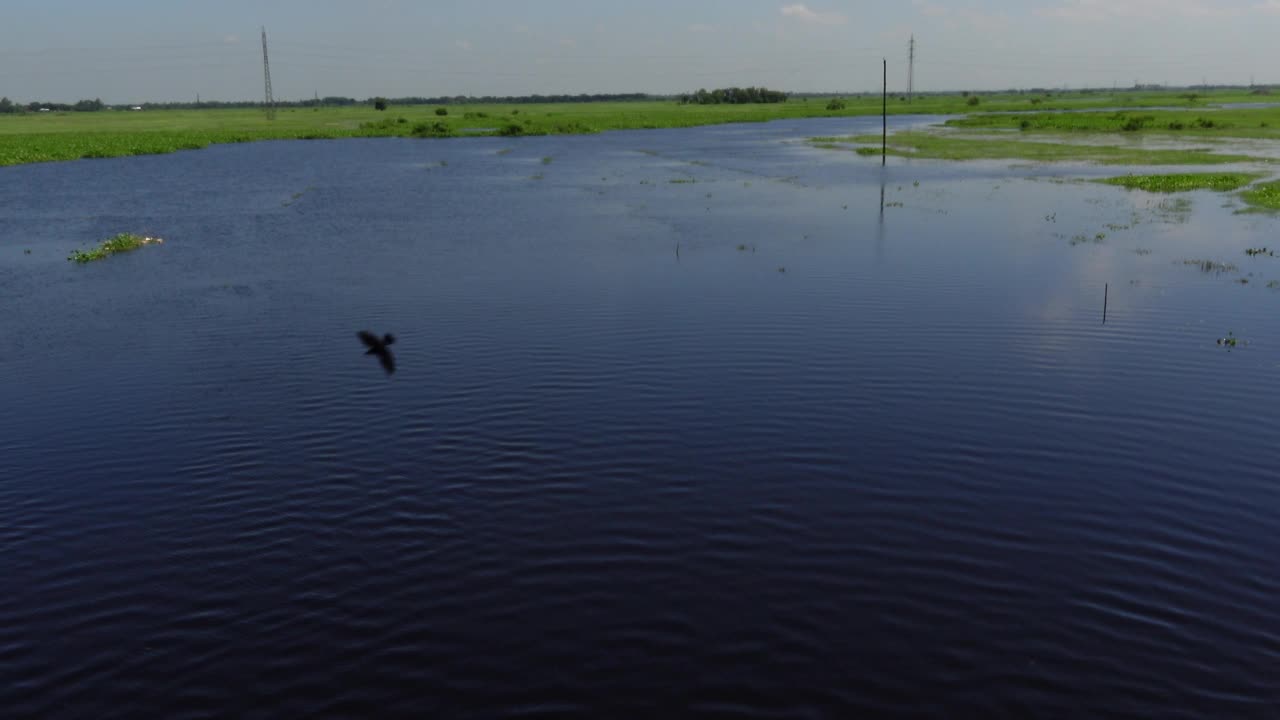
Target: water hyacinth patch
123 242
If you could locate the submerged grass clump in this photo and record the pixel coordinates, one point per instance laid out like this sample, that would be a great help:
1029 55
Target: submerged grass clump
124 242
1183 182
1211 266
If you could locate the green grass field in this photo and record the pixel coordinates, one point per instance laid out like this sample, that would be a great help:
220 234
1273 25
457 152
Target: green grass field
1193 122
43 137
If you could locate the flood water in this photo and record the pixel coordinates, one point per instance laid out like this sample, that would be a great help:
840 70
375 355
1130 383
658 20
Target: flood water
687 422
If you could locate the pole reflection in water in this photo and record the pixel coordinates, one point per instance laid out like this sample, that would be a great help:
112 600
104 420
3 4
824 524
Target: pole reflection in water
880 224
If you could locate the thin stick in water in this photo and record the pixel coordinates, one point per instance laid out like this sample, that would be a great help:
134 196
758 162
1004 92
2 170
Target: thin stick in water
1106 294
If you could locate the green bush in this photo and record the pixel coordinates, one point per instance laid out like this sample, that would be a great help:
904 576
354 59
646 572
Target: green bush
433 129
442 111
972 101
836 104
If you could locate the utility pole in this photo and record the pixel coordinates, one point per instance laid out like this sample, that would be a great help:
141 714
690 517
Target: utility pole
269 106
911 71
884 116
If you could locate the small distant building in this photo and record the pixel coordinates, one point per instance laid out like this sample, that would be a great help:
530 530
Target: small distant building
44 109
136 107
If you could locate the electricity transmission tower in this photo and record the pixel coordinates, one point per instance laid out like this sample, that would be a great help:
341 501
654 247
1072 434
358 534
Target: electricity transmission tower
911 71
269 106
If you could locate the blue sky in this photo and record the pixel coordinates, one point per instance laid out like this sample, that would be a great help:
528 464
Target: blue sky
138 50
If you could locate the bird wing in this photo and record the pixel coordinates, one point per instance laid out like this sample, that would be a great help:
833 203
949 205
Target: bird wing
369 339
388 361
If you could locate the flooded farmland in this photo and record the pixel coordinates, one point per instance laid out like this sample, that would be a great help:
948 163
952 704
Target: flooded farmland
776 429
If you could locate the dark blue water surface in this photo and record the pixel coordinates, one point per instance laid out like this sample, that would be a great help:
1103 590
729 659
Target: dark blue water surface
684 424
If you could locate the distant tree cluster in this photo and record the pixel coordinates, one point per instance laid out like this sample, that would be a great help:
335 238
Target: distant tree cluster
8 106
733 96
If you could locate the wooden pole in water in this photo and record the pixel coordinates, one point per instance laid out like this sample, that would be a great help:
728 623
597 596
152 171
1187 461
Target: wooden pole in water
884 115
1106 294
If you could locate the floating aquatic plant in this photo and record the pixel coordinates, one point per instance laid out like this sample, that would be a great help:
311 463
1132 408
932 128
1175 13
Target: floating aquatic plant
1231 341
124 242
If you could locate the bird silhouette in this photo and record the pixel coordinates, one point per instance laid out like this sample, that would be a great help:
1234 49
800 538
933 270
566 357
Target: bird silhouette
378 346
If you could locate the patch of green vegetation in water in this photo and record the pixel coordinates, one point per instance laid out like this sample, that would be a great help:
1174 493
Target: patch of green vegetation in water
124 242
936 146
1231 341
1264 196
1183 182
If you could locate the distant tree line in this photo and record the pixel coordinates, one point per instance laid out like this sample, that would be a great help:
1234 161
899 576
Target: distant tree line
336 101
519 99
9 106
733 96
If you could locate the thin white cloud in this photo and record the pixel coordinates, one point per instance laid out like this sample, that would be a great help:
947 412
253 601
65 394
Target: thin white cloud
705 28
1103 10
1269 6
463 44
231 40
929 9
800 11
986 22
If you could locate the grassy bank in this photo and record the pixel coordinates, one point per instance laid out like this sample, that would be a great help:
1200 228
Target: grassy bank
42 137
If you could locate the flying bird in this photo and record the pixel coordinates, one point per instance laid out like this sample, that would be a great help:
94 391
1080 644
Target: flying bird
378 346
